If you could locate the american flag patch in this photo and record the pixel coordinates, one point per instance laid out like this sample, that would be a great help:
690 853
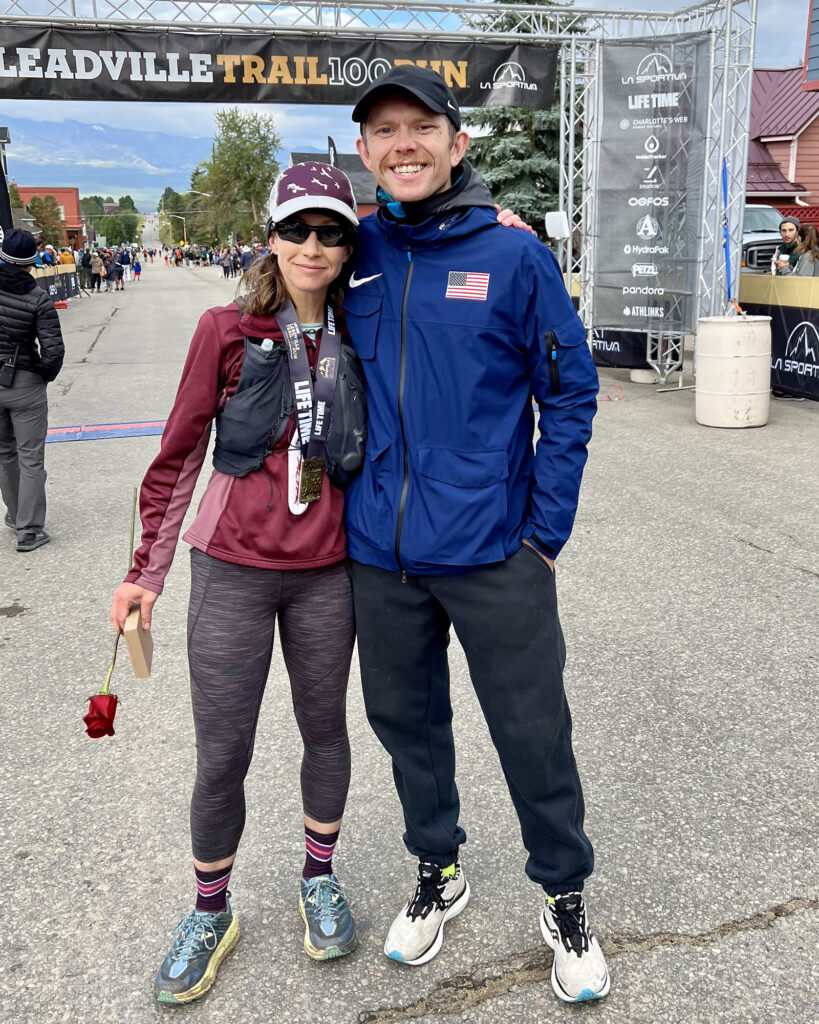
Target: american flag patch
466 285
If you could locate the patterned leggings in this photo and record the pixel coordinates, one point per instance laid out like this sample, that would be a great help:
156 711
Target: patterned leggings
231 622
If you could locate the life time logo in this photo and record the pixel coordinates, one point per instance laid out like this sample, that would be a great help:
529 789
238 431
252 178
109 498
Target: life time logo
655 69
509 76
801 351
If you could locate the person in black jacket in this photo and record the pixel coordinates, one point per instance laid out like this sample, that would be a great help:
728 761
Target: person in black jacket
31 340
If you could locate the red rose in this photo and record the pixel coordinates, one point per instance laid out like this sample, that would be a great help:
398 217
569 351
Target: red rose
99 720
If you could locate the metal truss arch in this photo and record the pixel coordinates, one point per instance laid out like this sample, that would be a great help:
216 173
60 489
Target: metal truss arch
579 31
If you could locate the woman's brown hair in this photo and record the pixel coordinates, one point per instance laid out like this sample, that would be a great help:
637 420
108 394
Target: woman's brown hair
262 289
808 241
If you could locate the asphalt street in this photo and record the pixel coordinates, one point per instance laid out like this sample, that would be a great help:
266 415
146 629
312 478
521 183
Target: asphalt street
688 597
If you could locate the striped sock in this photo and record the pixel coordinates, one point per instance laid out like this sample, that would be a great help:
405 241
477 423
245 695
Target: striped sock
211 889
320 847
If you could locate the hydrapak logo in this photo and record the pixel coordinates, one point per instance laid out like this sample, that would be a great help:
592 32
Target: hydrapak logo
801 351
509 76
645 250
647 227
654 69
648 201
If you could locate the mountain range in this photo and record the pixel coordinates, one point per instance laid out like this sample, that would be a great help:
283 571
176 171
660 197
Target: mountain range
101 160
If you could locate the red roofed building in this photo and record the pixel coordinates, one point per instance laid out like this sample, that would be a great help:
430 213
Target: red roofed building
783 156
68 200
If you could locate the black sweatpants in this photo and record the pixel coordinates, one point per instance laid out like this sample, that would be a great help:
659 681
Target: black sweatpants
505 616
231 622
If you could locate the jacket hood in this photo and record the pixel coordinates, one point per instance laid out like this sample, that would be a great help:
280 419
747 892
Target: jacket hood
468 189
259 326
17 280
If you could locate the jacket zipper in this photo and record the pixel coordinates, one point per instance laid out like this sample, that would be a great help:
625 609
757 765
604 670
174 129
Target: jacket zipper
401 376
551 358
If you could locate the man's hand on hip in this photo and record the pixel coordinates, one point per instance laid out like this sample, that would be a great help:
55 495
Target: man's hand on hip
549 561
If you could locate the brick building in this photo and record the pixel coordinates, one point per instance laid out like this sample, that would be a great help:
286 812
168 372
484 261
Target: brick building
68 200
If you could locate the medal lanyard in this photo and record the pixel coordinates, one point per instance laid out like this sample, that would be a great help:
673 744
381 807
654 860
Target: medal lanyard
313 403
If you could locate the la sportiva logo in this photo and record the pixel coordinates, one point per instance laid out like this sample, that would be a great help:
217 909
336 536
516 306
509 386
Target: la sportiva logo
801 351
654 68
510 75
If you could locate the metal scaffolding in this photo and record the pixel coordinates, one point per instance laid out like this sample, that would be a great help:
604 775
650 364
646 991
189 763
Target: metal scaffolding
579 31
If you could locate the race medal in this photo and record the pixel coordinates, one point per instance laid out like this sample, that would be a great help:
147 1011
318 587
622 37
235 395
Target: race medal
312 474
293 477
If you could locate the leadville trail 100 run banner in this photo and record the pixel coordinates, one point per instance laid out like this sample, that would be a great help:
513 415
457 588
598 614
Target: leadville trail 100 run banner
89 64
654 98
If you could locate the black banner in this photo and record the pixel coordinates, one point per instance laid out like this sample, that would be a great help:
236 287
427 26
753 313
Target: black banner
794 348
217 67
61 285
623 349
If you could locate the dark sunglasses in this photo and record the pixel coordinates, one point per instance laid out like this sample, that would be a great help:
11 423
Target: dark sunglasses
330 235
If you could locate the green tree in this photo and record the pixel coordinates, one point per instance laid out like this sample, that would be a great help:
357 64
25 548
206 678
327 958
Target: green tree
241 170
46 214
91 205
113 230
14 196
126 204
518 150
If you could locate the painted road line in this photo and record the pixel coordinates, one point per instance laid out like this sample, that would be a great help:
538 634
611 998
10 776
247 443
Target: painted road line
99 431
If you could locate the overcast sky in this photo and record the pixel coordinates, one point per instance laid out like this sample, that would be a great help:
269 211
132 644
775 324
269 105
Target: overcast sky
781 33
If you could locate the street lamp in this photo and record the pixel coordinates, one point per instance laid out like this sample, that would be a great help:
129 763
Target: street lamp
196 192
184 226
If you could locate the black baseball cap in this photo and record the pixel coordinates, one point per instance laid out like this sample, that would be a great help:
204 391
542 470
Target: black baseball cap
425 85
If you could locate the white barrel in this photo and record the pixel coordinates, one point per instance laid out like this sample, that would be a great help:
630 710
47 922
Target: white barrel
733 367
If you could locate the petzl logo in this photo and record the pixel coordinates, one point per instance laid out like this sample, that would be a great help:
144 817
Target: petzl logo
510 76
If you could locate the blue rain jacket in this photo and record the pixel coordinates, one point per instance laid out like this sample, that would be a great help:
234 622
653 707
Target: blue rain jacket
452 479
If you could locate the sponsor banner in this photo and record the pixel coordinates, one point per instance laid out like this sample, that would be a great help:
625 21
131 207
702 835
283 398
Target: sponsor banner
60 284
793 305
654 109
625 350
217 67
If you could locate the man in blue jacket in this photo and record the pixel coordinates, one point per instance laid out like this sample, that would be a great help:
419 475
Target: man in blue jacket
455 521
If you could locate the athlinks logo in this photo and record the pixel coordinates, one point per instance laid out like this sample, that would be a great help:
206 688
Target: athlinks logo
654 69
509 76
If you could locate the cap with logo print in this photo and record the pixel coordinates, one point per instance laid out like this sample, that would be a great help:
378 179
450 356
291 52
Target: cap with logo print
426 86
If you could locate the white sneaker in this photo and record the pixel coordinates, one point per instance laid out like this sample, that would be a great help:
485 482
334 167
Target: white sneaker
417 933
579 970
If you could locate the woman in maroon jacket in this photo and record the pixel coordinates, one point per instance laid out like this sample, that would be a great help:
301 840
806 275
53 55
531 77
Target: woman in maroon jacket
268 510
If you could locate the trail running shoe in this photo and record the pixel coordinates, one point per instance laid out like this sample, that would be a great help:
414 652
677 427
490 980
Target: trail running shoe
329 928
417 933
579 970
32 541
201 943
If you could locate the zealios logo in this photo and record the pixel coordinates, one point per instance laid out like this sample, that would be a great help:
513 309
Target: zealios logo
509 76
801 351
654 68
